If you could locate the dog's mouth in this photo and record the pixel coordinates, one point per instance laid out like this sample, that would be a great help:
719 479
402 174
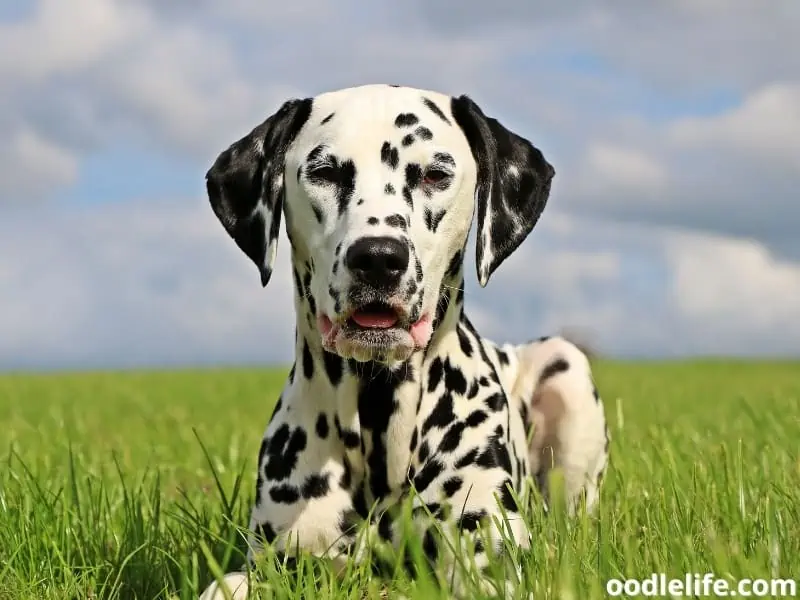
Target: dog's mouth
374 315
375 330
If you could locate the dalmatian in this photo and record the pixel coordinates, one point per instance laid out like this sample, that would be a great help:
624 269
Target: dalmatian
394 394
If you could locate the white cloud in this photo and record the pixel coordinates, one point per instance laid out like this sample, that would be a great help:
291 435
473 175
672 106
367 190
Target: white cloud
624 168
736 291
31 167
733 173
62 37
764 128
157 283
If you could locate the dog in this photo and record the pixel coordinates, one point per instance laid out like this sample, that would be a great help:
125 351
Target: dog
393 389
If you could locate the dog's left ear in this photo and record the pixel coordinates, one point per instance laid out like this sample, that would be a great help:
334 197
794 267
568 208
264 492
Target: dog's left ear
246 188
512 187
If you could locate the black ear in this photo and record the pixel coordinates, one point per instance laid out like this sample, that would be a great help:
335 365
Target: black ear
245 184
512 188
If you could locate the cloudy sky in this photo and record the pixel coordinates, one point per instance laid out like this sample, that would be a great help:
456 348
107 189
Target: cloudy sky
674 126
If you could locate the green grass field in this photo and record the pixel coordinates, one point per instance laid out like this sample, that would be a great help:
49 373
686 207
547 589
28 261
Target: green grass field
109 484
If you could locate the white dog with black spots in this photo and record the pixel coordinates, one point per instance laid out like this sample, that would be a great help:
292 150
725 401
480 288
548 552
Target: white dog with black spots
393 389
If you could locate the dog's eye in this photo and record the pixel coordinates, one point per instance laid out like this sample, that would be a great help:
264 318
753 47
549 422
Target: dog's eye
434 176
323 174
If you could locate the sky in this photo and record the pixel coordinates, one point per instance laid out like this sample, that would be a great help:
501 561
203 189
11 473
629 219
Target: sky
673 125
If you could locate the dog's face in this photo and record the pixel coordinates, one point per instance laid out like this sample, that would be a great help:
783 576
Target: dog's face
379 185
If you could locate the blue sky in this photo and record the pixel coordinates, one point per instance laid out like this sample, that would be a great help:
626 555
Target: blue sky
674 127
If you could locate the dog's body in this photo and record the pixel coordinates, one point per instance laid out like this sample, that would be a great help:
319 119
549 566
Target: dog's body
392 387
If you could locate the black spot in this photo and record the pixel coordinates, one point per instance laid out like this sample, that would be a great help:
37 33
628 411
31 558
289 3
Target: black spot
283 450
418 269
407 140
429 546
452 485
360 502
262 450
596 394
435 374
291 373
413 175
396 220
265 532
312 305
347 185
442 415
322 426
452 438
315 486
431 470
444 158
326 119
432 219
390 156
463 341
506 497
347 475
454 379
349 437
502 356
495 455
559 365
496 402
360 202
308 361
474 387
424 451
333 367
284 494
298 284
407 197
414 440
406 120
317 212
455 263
435 109
469 521
373 220
476 417
467 459
385 527
315 153
376 405
389 189
424 133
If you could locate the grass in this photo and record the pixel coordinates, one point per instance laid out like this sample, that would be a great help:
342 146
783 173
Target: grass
133 485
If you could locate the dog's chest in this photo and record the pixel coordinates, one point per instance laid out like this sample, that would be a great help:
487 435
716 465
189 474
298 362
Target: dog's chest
449 405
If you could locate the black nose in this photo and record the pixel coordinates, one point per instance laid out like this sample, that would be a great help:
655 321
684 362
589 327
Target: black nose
378 261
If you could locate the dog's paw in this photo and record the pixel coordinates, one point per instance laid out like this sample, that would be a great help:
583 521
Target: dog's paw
237 588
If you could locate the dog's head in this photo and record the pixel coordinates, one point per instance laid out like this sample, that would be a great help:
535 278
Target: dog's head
379 185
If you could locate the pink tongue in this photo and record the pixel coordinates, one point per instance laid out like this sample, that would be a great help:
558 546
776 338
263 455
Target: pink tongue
375 320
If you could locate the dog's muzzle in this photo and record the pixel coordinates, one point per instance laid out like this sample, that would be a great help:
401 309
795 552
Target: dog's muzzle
378 325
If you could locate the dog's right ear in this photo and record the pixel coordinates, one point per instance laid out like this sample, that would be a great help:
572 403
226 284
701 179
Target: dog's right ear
246 188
